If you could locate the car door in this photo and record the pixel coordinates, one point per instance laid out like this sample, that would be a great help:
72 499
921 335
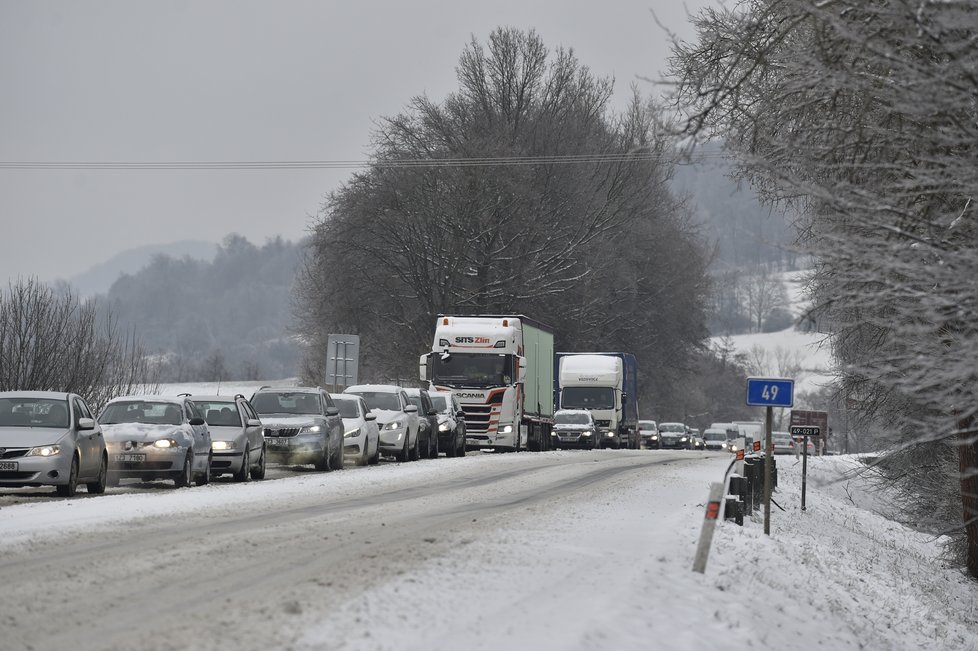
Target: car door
412 418
202 437
253 430
333 420
88 441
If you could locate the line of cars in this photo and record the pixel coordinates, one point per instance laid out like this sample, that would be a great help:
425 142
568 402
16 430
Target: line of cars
54 439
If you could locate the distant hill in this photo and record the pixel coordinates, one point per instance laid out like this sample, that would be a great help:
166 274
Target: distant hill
99 278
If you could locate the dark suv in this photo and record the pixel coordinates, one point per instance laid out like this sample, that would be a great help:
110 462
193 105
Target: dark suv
301 425
427 422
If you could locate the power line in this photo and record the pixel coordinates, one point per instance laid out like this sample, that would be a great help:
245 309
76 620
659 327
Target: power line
571 159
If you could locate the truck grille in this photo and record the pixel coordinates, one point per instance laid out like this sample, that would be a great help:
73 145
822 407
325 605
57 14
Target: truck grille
281 431
477 418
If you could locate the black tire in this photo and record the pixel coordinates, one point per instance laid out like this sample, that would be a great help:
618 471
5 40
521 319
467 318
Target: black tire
205 477
258 472
375 459
322 464
186 474
98 486
243 474
68 490
432 444
453 448
415 452
337 462
461 448
405 453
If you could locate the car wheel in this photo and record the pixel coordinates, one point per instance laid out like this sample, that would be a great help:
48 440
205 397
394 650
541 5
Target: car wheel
338 461
242 474
98 486
453 448
258 472
186 475
68 490
433 441
415 452
404 454
205 477
461 446
322 464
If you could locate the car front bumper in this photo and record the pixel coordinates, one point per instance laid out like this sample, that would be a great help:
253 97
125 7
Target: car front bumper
36 471
147 462
302 448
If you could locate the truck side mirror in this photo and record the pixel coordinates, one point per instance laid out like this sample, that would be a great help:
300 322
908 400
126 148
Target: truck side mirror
423 367
624 397
521 375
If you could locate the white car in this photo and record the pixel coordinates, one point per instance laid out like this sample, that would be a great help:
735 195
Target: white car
574 428
361 437
397 418
156 437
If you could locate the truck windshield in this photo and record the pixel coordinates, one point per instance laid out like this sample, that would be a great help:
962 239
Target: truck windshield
587 398
472 370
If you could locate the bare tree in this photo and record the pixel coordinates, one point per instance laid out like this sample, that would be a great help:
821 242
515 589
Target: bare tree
863 115
49 340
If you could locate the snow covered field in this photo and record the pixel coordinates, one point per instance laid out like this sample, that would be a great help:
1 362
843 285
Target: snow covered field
600 559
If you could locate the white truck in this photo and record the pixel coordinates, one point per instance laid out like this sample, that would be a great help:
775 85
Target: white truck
500 367
605 384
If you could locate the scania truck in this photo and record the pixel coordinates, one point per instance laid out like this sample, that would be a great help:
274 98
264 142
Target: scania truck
606 384
500 367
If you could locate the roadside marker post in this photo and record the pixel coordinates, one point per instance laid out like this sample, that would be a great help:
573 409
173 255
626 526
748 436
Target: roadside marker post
709 524
807 424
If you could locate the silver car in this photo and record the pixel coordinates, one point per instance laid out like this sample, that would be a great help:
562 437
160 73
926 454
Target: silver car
156 437
237 441
397 419
50 439
361 436
302 425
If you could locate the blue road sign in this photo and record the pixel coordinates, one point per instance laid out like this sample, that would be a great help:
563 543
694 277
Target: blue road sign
767 392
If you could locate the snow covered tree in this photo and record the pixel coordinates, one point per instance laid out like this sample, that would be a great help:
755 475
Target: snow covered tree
863 114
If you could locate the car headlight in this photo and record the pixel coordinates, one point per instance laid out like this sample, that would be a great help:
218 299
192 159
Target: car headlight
609 434
313 429
165 443
352 432
45 451
222 445
587 433
683 438
443 427
506 429
654 437
394 424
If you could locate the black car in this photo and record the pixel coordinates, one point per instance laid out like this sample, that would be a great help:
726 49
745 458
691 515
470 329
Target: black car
427 422
301 425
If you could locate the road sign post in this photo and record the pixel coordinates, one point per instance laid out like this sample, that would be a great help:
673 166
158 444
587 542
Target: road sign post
769 393
805 424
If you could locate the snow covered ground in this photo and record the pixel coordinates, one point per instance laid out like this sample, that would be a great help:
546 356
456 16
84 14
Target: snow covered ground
602 563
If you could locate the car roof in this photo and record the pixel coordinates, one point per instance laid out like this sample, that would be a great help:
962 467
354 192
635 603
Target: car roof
177 400
416 392
50 395
285 389
380 388
217 398
572 411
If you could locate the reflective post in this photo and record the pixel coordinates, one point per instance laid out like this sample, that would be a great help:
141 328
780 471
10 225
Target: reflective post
804 470
767 470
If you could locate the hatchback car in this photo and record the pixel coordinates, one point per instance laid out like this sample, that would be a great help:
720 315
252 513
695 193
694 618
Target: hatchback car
715 439
361 437
427 422
451 423
574 428
674 436
301 426
156 437
50 439
783 443
397 418
648 432
237 440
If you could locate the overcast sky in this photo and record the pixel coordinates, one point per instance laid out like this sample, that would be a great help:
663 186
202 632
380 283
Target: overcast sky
240 80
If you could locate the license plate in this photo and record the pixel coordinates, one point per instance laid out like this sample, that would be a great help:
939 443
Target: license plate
282 443
130 458
8 465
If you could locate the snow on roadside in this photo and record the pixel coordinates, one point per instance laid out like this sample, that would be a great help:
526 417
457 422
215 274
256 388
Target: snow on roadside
586 575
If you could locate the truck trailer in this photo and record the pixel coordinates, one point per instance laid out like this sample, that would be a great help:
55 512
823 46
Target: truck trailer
606 384
500 367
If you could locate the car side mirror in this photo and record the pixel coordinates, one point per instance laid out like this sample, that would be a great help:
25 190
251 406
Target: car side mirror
254 422
332 411
86 423
196 421
370 416
411 409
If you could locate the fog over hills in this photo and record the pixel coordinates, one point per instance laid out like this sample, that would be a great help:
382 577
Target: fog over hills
99 278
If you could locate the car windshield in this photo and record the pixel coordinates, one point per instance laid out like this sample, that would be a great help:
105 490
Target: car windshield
587 398
383 400
285 402
137 411
672 427
440 403
33 412
646 424
347 407
219 413
571 419
714 436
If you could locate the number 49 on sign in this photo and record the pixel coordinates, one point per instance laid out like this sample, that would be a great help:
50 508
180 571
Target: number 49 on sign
770 392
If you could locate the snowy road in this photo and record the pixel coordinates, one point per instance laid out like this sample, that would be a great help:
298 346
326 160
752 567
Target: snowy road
487 550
